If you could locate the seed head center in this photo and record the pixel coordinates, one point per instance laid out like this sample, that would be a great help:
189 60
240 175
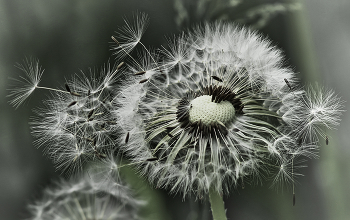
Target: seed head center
202 108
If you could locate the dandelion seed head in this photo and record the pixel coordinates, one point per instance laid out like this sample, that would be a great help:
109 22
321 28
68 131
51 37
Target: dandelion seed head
210 113
79 126
84 198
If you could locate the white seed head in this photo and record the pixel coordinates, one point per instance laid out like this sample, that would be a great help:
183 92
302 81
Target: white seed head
203 109
217 109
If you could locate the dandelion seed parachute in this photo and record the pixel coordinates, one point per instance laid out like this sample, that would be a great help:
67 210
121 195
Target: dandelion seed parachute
25 86
129 35
211 111
315 110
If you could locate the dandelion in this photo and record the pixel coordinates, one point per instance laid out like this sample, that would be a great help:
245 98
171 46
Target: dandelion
25 86
216 109
211 112
84 198
76 125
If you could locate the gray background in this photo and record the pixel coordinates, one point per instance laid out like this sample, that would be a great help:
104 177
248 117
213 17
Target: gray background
69 35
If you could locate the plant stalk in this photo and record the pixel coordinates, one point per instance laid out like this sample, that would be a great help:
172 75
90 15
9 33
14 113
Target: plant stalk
217 205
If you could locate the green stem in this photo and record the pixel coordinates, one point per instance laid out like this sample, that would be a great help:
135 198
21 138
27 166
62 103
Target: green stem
217 205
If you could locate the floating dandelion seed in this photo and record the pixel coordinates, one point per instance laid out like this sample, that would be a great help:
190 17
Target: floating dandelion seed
25 86
130 34
314 111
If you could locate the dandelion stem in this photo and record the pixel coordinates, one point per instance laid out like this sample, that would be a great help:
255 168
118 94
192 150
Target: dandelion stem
57 90
217 204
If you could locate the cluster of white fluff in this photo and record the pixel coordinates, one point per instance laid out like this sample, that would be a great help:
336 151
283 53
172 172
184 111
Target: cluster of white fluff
76 124
86 198
275 123
214 110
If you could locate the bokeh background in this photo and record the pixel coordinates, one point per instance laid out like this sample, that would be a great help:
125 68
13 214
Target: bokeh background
72 35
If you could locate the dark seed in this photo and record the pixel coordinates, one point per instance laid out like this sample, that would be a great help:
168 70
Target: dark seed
75 94
120 65
72 103
140 73
152 159
127 138
327 140
143 81
67 87
115 40
216 78
288 84
90 113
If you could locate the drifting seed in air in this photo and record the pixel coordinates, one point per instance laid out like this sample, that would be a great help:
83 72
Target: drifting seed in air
327 140
143 81
216 78
140 73
72 103
288 84
127 138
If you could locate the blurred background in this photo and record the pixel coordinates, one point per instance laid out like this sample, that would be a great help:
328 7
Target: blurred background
72 35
